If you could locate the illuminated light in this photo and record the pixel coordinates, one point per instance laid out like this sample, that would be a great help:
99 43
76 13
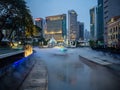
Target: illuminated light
28 50
59 32
19 42
62 48
37 19
16 44
15 64
55 18
112 20
57 47
46 32
60 40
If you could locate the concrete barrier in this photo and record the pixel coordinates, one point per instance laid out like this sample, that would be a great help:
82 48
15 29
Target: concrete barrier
8 58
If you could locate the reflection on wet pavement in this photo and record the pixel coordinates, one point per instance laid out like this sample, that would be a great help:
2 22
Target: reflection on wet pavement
69 72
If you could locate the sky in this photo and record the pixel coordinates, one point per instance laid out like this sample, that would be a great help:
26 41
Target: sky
44 8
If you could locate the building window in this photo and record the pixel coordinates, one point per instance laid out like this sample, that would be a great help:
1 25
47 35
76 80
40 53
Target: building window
105 1
117 36
111 30
106 12
105 6
116 28
106 17
110 37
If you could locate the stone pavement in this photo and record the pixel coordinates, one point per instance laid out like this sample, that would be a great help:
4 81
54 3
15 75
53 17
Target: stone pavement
98 57
96 60
115 67
101 62
37 78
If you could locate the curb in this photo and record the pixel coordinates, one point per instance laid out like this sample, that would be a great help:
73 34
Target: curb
114 67
37 78
93 61
26 75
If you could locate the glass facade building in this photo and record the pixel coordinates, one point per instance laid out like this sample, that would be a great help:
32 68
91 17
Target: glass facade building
80 31
72 25
56 27
93 24
100 22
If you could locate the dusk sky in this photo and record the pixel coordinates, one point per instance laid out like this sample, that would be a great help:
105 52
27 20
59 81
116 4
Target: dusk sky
44 8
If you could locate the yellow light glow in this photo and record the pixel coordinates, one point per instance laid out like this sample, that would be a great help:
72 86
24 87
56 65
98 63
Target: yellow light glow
28 50
58 32
60 40
56 18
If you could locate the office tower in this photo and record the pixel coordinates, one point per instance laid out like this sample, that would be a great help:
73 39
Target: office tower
72 25
80 31
56 27
39 23
100 22
86 35
93 24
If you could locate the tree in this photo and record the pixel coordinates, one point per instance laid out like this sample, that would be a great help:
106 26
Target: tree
14 15
37 31
92 43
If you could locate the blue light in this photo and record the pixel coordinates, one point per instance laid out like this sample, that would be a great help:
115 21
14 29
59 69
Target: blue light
15 64
63 49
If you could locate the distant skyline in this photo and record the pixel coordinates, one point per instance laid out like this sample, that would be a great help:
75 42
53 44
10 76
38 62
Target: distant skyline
44 8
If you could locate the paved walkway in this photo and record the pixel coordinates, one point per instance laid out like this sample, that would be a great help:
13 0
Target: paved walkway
96 60
100 58
37 78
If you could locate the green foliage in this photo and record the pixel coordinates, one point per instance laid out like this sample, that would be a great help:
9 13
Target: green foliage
36 30
14 14
92 43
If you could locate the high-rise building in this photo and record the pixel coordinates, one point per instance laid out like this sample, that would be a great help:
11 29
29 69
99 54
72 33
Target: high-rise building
86 35
39 23
93 24
72 25
80 31
111 9
100 22
56 27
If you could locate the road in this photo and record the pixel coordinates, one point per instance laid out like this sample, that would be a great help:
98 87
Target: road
67 71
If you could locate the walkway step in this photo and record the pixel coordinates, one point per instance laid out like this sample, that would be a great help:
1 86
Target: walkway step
96 60
38 77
